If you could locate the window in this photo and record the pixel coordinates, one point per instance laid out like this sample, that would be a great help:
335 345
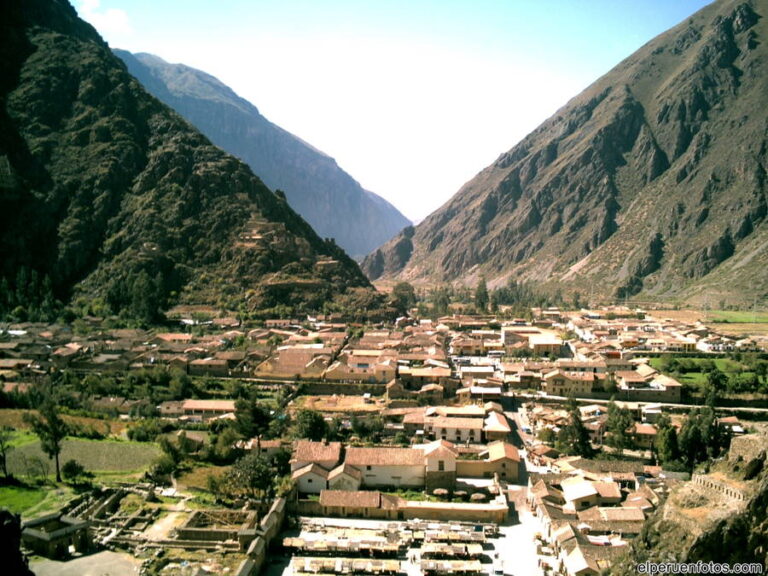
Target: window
441 465
503 464
309 480
367 467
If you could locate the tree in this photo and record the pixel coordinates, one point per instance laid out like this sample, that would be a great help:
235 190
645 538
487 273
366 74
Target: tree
5 448
617 427
252 419
403 297
50 428
573 438
667 447
73 471
716 383
481 296
251 475
311 425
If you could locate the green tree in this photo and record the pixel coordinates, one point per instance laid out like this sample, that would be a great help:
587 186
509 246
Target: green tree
251 418
573 438
666 446
251 475
617 427
49 427
311 425
403 297
716 384
73 471
481 296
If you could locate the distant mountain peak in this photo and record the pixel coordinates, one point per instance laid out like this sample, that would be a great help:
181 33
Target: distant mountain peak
327 197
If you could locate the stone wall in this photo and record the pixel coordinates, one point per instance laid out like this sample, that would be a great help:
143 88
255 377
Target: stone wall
269 528
747 447
717 489
341 388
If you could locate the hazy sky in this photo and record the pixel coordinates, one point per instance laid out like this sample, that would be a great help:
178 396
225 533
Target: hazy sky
411 97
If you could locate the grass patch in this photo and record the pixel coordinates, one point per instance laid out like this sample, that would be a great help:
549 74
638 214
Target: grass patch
106 457
197 478
34 500
737 316
20 498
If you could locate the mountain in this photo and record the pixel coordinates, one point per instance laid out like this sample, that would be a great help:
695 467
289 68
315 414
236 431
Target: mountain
111 201
327 197
650 183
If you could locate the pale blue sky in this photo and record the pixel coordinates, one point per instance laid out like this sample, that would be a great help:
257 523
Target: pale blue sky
412 98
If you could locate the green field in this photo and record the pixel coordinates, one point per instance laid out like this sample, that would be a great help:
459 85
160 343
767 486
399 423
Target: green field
32 501
98 456
736 317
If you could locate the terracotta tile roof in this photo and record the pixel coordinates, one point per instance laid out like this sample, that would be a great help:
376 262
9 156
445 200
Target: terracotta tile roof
497 423
612 514
209 405
345 469
384 457
350 498
502 450
310 469
458 423
607 489
309 451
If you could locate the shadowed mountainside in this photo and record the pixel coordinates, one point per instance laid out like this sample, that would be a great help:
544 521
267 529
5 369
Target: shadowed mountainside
114 198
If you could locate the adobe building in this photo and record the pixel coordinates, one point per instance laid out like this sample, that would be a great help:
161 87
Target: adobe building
56 535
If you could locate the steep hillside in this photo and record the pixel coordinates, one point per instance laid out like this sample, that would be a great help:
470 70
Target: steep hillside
720 517
650 182
113 197
327 197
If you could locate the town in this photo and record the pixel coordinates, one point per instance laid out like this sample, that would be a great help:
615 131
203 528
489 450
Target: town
469 444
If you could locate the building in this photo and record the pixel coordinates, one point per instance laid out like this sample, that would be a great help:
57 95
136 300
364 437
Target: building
388 467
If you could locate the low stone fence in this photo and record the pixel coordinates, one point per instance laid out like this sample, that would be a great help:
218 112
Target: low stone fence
717 488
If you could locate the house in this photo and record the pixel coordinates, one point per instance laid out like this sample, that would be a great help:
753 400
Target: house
361 504
496 426
54 535
311 479
345 477
579 493
504 460
559 383
207 409
500 458
440 465
209 367
643 435
458 430
396 467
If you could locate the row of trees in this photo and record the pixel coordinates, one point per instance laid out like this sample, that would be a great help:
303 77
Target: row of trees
700 438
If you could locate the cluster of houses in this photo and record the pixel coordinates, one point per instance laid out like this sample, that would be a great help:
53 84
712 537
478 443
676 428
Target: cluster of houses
316 466
468 356
588 511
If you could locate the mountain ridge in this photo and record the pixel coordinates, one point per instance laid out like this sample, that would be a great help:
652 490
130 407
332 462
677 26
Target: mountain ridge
333 202
651 182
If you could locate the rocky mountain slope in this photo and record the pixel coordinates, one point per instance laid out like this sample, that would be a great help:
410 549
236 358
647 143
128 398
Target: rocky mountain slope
651 182
327 197
114 198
